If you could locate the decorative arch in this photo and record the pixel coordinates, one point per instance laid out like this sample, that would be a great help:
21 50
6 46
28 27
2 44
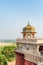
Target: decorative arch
41 49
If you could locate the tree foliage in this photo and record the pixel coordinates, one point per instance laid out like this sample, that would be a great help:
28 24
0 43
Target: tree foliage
7 54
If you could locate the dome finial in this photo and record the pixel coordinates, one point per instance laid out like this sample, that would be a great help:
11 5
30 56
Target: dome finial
28 23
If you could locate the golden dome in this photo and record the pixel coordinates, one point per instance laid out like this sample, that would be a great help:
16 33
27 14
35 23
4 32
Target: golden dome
29 28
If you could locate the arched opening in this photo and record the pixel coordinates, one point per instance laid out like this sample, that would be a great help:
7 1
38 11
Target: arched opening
41 50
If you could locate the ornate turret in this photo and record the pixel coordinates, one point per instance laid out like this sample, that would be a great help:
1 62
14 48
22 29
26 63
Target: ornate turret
28 31
29 49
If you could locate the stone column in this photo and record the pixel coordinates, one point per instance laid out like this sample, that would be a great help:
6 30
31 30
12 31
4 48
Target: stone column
38 49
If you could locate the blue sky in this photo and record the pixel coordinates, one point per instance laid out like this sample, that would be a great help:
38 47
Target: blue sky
14 15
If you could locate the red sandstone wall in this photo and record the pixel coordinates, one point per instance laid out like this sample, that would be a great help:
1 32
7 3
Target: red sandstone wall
21 61
29 63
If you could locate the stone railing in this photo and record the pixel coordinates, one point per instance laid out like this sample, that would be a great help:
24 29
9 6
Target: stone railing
31 57
30 40
34 58
26 41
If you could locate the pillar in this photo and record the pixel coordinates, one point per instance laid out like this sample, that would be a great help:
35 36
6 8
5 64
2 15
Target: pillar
38 49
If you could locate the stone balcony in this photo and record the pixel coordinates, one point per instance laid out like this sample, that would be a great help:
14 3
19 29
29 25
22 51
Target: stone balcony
33 57
33 41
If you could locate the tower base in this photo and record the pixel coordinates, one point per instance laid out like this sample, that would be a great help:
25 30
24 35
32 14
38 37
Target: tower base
21 61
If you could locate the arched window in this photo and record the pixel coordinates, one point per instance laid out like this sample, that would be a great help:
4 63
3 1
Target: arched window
41 49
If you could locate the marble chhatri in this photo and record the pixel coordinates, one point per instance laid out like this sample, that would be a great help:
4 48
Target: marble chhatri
29 49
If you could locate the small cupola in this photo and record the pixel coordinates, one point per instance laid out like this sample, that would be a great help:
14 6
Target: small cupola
28 31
